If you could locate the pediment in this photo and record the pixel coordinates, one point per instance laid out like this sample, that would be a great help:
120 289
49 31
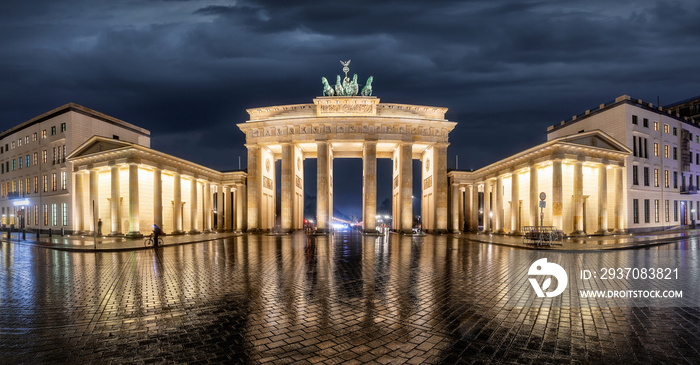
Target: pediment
98 145
595 139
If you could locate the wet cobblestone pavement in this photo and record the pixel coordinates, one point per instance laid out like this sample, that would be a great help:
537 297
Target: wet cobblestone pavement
293 299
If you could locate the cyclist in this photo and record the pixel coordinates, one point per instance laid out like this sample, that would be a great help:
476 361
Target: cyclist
156 233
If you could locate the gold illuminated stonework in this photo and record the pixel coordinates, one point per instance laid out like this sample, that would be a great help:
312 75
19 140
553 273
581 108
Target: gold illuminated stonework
346 127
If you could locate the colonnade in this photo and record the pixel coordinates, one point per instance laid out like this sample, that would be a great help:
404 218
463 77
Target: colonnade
146 189
261 185
484 199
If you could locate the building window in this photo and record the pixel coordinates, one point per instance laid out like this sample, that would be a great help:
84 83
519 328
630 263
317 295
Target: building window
668 212
53 130
675 210
635 210
634 146
20 163
36 184
54 214
36 214
634 119
635 179
43 134
675 131
19 142
28 186
675 153
44 155
666 128
666 149
646 210
646 176
53 181
33 136
46 183
645 122
656 210
13 164
675 179
63 127
64 153
667 179
656 178
2 168
656 149
63 180
46 215
64 214
646 148
54 156
13 145
35 158
27 161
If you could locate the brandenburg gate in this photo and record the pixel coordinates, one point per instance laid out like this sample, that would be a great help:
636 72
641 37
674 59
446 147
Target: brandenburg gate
346 123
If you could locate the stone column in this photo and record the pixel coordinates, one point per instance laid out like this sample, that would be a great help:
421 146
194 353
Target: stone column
229 214
220 209
134 228
602 199
158 198
207 201
578 199
287 190
114 201
515 204
455 208
499 206
557 195
406 189
461 209
254 186
619 201
79 210
240 201
487 206
322 187
440 188
475 209
369 186
534 198
467 212
193 207
94 202
177 204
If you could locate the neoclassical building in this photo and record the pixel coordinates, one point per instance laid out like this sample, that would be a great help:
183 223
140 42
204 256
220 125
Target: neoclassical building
581 177
130 187
346 127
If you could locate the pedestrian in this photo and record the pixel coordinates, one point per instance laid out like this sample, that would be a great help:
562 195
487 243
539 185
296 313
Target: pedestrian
99 226
156 233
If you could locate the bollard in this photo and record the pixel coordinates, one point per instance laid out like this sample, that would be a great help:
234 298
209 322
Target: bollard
50 233
24 234
38 232
63 232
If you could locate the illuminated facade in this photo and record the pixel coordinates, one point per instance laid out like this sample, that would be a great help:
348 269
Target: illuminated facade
346 127
132 187
36 184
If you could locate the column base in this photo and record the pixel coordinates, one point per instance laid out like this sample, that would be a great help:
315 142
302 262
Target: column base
115 234
134 234
177 233
207 231
602 232
620 231
516 233
501 231
194 231
577 234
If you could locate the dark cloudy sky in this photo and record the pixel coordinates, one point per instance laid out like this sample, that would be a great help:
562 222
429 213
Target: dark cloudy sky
187 70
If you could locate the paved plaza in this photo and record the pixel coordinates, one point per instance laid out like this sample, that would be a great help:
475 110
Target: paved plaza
343 298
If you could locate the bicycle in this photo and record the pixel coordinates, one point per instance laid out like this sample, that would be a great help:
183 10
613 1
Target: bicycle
149 241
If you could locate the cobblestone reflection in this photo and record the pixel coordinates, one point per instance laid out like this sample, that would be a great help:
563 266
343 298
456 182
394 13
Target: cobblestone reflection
266 298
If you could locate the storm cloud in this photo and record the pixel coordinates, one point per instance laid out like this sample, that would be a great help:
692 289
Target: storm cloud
187 70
